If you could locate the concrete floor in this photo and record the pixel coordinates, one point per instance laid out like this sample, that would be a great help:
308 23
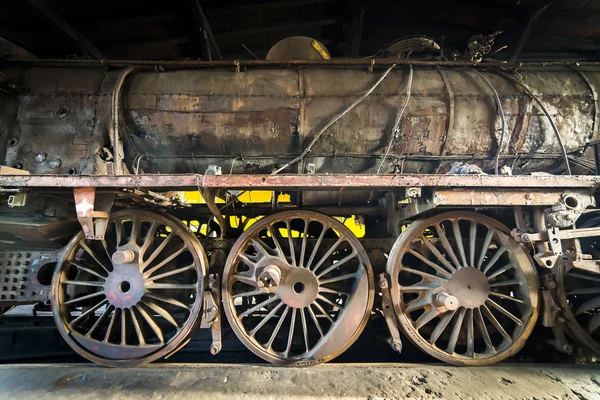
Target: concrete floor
330 381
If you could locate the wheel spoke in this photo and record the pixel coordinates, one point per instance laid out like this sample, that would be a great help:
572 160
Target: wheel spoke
504 311
163 262
494 259
459 242
135 230
589 290
426 317
331 303
88 250
506 297
291 333
170 273
329 253
88 312
433 265
441 326
417 304
495 322
136 325
502 270
84 283
82 298
248 294
316 248
149 238
257 307
315 320
266 319
246 260
437 253
291 241
277 327
338 278
484 331
168 286
260 247
472 242
99 320
457 324
584 277
485 246
337 265
425 275
470 333
323 312
304 329
150 321
110 326
304 240
323 289
245 278
168 300
276 241
157 251
162 312
446 244
505 283
123 328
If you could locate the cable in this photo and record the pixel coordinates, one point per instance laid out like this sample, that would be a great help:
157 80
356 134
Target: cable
545 111
395 130
501 111
333 121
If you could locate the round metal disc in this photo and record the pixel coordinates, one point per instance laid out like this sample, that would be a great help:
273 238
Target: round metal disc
297 288
463 290
134 296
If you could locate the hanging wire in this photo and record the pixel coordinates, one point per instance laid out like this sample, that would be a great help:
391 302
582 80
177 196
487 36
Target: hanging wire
333 121
501 112
395 130
546 113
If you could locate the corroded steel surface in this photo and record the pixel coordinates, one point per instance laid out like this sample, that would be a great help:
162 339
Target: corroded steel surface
314 182
256 120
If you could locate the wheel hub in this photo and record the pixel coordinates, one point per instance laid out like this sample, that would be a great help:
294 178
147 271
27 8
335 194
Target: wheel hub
124 286
469 286
299 289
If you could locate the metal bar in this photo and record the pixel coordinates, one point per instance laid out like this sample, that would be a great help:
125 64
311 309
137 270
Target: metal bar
366 62
59 21
299 182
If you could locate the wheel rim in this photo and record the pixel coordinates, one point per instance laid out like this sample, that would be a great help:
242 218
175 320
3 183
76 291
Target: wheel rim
134 296
297 288
579 294
457 302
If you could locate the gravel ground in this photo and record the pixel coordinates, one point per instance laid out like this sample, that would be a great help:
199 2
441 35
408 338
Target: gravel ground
329 381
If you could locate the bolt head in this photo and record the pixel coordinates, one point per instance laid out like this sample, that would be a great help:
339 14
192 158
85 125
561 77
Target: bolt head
41 157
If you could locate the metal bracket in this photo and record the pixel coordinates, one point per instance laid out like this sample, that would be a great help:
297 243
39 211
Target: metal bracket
211 317
389 314
93 211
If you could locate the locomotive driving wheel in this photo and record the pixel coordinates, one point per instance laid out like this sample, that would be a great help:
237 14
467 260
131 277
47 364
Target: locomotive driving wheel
462 289
578 293
297 288
134 296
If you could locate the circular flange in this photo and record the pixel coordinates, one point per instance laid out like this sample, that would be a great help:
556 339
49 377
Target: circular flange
320 294
463 290
134 296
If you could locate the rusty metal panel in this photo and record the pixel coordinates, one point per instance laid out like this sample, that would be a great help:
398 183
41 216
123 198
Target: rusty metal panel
504 198
313 182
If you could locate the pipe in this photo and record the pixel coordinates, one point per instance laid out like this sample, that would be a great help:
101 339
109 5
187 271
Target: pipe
372 62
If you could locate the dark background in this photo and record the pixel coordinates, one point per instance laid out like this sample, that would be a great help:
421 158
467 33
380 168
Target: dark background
138 29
